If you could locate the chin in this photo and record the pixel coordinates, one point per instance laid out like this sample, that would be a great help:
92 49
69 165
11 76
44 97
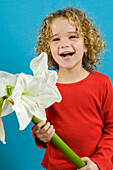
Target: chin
69 67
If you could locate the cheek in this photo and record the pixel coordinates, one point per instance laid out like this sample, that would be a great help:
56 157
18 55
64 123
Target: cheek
53 49
79 47
54 52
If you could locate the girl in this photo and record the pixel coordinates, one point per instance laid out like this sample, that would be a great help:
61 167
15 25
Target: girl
84 118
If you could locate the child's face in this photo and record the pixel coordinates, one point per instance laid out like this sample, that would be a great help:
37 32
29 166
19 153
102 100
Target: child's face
66 48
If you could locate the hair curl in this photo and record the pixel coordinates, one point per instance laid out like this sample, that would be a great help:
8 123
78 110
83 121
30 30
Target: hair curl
92 39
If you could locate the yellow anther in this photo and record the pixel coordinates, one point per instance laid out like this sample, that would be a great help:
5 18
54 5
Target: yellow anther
37 104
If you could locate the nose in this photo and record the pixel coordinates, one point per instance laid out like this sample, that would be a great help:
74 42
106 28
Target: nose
64 43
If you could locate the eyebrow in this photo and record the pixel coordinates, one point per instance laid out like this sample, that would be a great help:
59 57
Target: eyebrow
67 32
53 35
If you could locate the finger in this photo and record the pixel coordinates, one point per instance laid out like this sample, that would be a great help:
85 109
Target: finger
47 135
52 133
45 128
41 132
50 129
90 163
39 125
86 159
48 138
84 168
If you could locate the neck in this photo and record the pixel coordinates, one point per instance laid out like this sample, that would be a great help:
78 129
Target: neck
71 75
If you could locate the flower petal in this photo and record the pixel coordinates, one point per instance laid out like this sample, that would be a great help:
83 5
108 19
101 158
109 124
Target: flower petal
23 115
40 113
6 108
2 133
21 85
49 96
29 85
52 77
6 79
34 106
38 84
39 64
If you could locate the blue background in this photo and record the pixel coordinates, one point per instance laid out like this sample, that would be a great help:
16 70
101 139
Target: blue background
19 25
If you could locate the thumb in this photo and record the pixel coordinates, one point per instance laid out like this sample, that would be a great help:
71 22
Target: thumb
85 159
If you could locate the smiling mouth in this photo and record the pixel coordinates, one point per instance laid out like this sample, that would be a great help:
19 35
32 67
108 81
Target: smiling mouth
66 54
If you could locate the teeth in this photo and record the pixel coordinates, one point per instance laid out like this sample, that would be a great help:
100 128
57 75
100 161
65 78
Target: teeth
68 53
65 53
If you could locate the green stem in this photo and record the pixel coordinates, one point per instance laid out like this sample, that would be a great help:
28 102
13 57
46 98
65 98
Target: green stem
58 142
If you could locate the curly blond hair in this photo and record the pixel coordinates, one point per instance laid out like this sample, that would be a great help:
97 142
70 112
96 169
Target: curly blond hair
92 39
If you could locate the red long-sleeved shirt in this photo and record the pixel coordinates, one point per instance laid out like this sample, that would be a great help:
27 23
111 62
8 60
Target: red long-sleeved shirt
84 120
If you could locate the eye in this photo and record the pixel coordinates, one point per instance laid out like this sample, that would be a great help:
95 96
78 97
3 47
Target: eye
73 36
56 39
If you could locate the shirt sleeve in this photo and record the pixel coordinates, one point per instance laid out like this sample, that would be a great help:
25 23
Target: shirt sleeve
39 143
104 152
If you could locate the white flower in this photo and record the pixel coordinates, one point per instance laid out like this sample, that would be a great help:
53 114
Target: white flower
32 95
6 107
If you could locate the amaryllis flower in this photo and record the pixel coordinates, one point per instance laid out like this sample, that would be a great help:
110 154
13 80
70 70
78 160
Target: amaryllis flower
32 95
5 107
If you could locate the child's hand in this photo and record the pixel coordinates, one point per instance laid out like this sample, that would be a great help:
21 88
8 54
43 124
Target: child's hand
90 164
44 134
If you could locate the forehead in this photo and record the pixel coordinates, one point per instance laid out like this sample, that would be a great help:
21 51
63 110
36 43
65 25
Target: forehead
62 24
